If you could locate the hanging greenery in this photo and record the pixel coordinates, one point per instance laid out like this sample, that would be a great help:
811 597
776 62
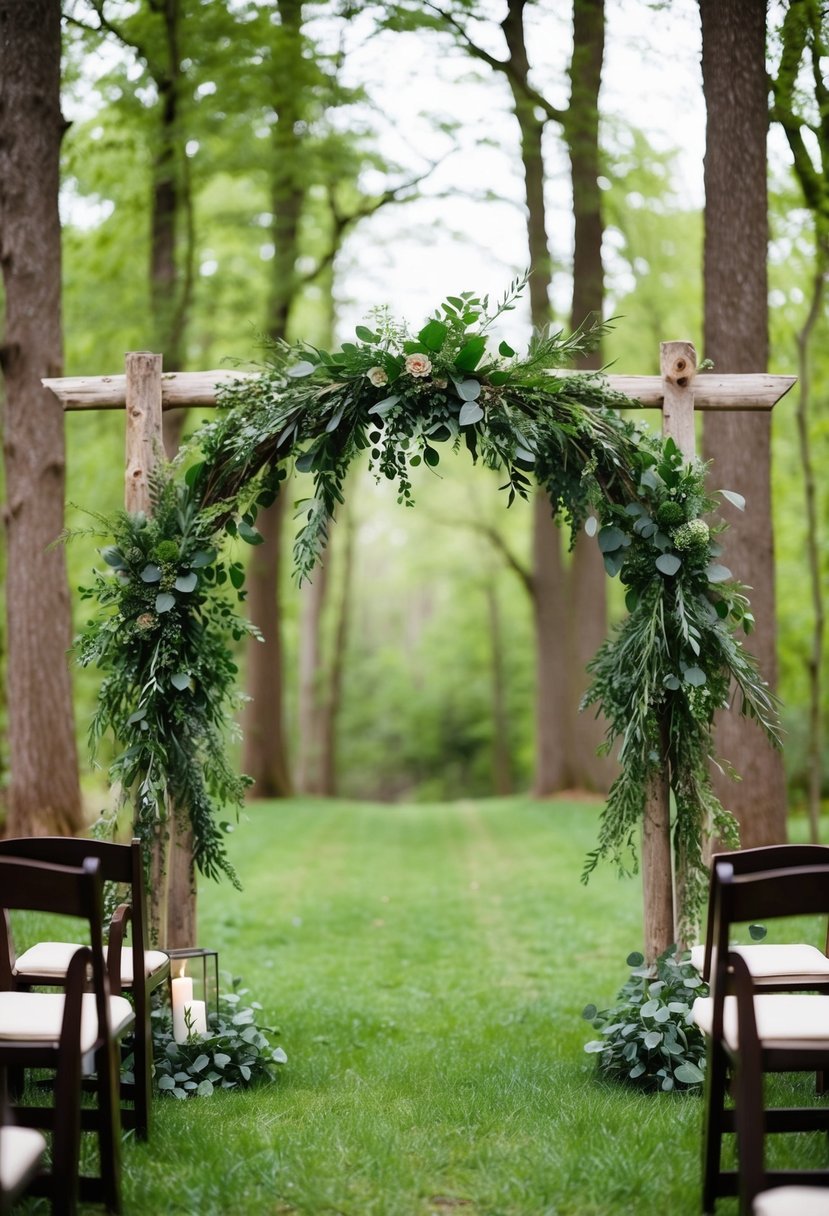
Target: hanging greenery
165 627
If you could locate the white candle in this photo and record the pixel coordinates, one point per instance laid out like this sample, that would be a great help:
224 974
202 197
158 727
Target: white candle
182 996
197 1011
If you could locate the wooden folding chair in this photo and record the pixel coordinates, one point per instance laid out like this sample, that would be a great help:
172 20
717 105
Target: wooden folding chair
41 1030
757 1196
135 970
783 967
792 1028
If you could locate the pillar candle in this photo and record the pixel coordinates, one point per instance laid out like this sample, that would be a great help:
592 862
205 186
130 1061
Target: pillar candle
182 996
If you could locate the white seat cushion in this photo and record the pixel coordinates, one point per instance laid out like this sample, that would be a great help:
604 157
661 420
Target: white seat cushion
38 1017
52 958
777 961
783 1019
21 1148
793 1201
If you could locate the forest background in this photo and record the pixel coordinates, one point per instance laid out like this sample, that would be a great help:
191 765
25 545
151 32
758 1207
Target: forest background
234 170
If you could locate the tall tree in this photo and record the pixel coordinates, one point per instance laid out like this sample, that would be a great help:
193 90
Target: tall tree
805 43
44 792
736 339
569 606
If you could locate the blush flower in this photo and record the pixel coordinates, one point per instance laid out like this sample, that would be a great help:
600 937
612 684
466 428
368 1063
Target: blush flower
418 365
378 376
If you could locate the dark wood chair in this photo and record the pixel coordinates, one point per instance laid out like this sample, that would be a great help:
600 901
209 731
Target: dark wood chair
786 966
22 1150
71 1032
135 970
757 1196
792 1028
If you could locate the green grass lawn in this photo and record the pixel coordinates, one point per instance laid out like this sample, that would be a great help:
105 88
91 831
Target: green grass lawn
427 967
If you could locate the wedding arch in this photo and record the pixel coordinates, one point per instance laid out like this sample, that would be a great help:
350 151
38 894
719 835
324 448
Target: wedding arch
166 623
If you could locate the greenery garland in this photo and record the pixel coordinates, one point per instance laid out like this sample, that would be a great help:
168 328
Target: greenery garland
165 629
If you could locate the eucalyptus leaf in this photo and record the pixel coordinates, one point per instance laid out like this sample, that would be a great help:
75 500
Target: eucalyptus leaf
734 498
164 601
150 574
668 563
470 413
187 582
298 370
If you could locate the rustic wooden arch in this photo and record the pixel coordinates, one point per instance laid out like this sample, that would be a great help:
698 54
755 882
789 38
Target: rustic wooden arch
145 391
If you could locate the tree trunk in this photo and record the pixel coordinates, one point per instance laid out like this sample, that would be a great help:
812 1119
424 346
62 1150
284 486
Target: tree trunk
587 583
550 619
501 761
311 670
333 704
44 793
265 755
736 338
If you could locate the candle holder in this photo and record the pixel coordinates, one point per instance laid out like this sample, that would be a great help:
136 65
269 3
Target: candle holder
202 995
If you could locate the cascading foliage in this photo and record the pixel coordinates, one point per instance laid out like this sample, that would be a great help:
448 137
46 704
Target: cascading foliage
166 627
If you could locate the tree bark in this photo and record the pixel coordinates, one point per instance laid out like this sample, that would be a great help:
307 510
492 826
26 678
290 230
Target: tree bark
501 760
44 792
587 582
736 338
550 620
265 755
333 703
311 691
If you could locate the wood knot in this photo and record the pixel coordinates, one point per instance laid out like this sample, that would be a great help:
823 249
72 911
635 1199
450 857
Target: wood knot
682 381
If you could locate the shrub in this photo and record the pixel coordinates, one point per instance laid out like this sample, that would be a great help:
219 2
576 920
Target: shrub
648 1038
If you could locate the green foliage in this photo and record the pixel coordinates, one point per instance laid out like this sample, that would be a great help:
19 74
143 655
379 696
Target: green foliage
162 635
649 1038
671 664
236 1054
401 396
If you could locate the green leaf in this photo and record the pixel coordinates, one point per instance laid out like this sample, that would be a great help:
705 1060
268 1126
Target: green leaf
186 582
595 1046
304 462
610 539
366 335
181 680
717 573
150 574
649 1009
383 407
164 602
694 676
205 1088
668 563
200 1062
237 576
635 959
499 377
631 599
468 390
279 1057
613 562
433 335
652 1039
113 556
470 413
249 534
689 1074
757 932
431 457
636 1071
298 370
589 1012
734 498
192 474
471 353
506 350
220 1059
204 557
165 1082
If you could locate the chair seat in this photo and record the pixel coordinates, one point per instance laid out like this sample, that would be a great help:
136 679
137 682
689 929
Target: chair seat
793 1201
777 961
21 1148
37 1017
783 1020
52 958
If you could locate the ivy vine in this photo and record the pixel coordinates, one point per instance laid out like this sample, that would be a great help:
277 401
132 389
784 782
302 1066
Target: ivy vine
166 624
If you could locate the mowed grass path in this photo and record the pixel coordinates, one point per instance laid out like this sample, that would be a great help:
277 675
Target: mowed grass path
427 967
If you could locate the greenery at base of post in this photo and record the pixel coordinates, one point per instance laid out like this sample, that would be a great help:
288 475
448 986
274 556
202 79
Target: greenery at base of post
399 397
236 1053
648 1037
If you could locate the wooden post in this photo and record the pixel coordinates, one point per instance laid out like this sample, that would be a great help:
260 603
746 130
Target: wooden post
172 920
678 364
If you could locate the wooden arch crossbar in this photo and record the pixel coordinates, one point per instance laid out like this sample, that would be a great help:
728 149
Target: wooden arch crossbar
145 391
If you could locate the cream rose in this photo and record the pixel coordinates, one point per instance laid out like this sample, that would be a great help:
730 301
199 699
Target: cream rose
378 376
418 365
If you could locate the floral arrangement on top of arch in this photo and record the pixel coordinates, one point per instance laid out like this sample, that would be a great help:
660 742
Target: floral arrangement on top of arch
166 625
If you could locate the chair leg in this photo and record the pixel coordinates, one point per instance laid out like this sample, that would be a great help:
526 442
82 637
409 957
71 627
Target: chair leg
142 1069
712 1131
109 1126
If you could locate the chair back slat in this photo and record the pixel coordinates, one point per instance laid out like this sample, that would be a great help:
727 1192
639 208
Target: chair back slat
768 895
30 886
115 859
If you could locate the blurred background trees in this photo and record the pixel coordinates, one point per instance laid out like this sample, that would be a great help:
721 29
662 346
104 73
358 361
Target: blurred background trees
240 170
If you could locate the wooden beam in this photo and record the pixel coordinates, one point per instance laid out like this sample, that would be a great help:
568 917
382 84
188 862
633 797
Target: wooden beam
711 391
